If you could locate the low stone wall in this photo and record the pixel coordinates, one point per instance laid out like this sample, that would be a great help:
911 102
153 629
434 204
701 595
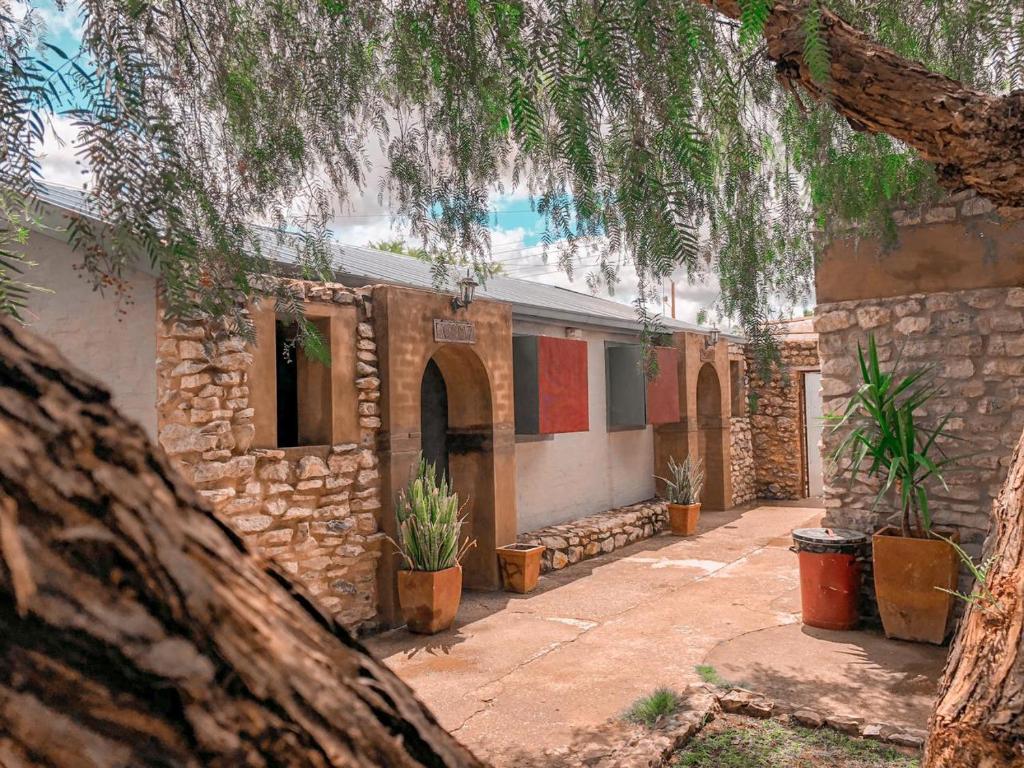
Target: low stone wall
777 420
598 534
313 510
744 487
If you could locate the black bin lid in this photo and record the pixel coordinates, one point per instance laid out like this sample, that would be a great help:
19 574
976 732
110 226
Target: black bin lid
829 538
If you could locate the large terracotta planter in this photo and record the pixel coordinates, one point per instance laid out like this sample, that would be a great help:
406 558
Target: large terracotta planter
908 573
430 599
683 518
520 566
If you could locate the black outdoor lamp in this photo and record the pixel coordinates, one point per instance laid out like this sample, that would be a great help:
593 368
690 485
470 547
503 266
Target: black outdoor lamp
711 339
467 287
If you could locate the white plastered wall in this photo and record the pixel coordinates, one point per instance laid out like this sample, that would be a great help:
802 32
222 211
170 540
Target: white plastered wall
118 348
580 473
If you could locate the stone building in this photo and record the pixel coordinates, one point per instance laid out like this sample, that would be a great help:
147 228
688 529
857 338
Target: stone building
531 397
785 415
948 296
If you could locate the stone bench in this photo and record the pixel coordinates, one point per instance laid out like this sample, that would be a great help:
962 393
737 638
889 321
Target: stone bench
590 536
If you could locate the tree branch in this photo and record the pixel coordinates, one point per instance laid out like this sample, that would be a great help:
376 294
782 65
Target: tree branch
975 139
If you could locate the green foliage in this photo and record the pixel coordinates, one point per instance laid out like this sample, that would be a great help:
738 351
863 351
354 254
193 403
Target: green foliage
815 49
686 482
740 743
981 595
653 133
710 675
650 709
428 521
753 15
884 429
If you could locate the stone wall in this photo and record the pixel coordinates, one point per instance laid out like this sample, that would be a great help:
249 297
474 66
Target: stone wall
776 419
594 535
313 509
744 485
974 339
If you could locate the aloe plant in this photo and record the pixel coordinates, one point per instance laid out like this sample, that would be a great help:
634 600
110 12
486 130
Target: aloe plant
429 524
885 431
686 483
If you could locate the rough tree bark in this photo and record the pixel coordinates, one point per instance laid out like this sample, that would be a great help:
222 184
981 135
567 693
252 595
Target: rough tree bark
979 718
136 630
975 139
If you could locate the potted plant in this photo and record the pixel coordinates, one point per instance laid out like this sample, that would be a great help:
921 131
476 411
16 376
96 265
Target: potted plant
520 566
912 563
682 490
430 590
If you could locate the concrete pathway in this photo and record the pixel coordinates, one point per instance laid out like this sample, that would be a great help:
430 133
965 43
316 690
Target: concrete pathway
518 674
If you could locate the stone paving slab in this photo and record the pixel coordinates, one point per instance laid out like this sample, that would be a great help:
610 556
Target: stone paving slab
520 674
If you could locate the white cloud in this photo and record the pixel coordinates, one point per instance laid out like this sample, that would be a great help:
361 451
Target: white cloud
57 155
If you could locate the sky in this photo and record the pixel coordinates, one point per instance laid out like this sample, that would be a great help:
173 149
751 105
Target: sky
516 230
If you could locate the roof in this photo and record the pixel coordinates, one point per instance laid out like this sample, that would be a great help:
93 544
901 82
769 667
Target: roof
796 329
361 266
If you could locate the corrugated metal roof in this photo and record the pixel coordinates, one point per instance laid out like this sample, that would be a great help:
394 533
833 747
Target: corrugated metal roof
361 266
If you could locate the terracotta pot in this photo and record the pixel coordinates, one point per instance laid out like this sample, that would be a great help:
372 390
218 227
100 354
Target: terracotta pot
520 566
908 573
430 599
683 518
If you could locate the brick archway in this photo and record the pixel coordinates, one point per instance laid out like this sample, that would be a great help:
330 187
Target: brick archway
470 447
480 433
712 434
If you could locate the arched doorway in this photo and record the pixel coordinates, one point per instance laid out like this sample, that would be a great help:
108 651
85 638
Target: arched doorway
709 436
456 433
434 417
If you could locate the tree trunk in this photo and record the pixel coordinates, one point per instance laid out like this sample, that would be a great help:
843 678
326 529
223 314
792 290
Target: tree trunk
979 718
136 630
976 139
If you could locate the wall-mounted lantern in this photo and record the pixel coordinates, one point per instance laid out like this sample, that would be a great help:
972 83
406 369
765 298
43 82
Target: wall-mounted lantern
467 290
711 340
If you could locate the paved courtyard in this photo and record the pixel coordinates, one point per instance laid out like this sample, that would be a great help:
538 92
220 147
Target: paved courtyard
519 674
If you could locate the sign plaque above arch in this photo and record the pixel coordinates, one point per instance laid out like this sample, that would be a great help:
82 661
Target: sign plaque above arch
454 331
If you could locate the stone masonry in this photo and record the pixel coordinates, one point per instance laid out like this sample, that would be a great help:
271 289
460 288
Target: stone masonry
744 487
313 510
974 341
598 534
776 418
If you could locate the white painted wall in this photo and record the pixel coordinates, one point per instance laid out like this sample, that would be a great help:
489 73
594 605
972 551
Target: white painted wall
580 473
119 349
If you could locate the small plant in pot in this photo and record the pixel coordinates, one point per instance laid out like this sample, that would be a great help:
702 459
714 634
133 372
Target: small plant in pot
429 526
682 490
914 566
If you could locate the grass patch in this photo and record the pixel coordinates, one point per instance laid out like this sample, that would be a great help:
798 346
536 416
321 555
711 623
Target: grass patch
649 709
710 676
742 743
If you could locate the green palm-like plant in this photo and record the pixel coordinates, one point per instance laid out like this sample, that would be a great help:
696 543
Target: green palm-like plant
687 481
428 521
884 431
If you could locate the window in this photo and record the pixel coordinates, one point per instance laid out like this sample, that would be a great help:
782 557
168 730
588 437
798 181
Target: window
626 386
303 384
550 384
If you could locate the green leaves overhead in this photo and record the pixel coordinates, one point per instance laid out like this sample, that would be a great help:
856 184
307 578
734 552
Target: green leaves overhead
652 133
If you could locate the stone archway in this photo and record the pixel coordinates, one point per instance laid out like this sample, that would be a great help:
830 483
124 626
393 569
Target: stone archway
469 451
711 436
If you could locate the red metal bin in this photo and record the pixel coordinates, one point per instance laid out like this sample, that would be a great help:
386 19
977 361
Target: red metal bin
830 572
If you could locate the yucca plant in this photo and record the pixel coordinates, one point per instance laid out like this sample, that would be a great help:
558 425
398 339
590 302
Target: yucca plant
882 417
686 483
429 524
